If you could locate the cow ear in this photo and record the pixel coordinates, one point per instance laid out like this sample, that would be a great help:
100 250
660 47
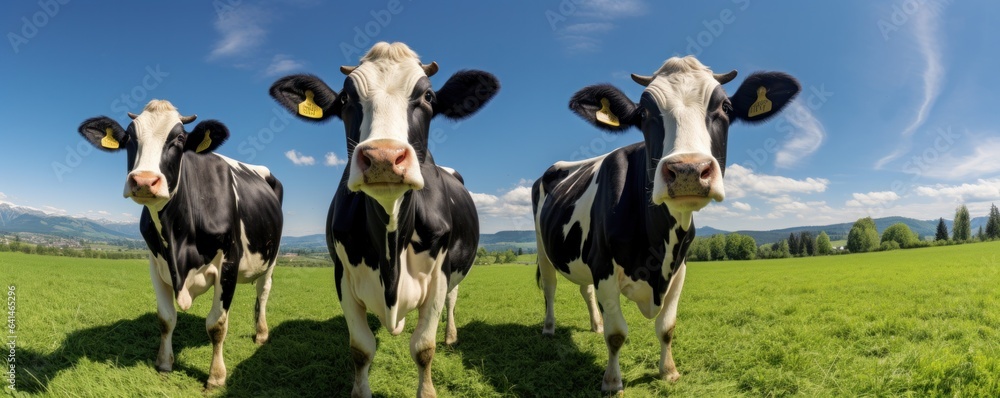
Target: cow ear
606 107
763 95
465 93
307 97
104 133
206 137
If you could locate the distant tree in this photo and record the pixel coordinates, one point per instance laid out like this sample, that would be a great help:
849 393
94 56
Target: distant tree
823 246
961 229
981 235
888 245
863 236
808 243
4 247
509 257
764 251
699 251
717 247
993 223
794 246
942 230
740 247
520 251
901 234
783 251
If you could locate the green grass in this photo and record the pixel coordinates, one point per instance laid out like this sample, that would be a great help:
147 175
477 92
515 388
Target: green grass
922 322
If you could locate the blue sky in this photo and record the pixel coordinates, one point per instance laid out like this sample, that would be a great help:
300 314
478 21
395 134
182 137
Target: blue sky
894 117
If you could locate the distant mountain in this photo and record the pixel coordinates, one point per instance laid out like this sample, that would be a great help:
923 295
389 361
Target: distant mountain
507 237
315 243
15 218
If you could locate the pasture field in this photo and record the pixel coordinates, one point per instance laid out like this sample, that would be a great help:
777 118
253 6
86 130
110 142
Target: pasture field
922 322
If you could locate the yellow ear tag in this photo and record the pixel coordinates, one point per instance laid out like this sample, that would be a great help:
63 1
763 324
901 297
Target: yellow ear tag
605 116
109 140
308 108
205 143
762 105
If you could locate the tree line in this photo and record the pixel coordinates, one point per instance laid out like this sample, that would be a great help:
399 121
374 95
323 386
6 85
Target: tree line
737 246
864 236
486 257
17 246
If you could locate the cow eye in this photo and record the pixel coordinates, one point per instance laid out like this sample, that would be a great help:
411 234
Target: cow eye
343 98
727 107
429 96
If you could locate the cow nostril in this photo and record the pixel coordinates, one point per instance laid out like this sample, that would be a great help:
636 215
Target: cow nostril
364 161
669 175
707 173
401 158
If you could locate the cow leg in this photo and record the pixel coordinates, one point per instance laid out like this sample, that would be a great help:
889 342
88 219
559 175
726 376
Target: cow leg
615 332
665 322
362 342
217 325
260 309
451 333
167 314
423 340
547 281
596 323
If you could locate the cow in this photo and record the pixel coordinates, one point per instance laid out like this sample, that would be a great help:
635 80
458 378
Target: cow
622 221
402 231
208 220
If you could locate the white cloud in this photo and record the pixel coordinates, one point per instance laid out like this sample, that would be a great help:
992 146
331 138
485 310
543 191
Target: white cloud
242 31
332 160
982 160
510 210
926 35
806 138
588 28
741 206
982 190
54 210
2 196
612 9
741 181
282 64
872 199
299 159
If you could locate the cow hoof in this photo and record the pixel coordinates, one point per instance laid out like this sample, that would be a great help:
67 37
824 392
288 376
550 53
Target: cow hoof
260 339
671 377
597 329
214 383
450 340
615 393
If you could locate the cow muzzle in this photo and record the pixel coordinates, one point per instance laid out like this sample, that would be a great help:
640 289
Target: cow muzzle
385 164
689 183
146 187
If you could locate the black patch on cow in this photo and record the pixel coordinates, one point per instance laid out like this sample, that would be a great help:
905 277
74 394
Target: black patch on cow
717 122
95 129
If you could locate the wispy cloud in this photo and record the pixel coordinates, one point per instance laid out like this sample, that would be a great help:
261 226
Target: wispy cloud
241 30
282 64
807 138
582 27
299 159
981 190
980 161
2 196
741 181
333 160
925 33
741 206
872 199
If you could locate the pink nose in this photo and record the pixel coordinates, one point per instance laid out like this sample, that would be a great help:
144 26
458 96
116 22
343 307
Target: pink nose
145 183
688 178
383 161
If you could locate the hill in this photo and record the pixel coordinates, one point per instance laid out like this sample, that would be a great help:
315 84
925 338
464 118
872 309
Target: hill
15 219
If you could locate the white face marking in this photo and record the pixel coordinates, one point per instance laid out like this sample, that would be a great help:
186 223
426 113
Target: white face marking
384 88
682 98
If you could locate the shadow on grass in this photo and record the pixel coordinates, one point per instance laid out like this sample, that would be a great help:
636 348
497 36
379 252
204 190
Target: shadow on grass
123 343
302 358
518 360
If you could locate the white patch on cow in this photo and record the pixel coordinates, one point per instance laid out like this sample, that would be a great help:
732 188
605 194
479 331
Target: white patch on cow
162 270
448 169
583 206
682 89
418 274
385 80
638 291
261 171
199 281
152 127
252 265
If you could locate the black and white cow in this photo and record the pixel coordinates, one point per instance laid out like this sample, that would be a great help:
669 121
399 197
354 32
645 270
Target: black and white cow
209 221
623 221
402 230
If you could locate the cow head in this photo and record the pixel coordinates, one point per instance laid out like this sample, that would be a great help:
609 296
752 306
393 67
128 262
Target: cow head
684 115
386 105
155 142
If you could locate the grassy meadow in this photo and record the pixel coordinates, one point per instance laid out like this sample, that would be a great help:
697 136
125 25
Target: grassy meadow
922 322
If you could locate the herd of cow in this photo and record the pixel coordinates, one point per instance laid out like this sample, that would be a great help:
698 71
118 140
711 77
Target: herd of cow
403 231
